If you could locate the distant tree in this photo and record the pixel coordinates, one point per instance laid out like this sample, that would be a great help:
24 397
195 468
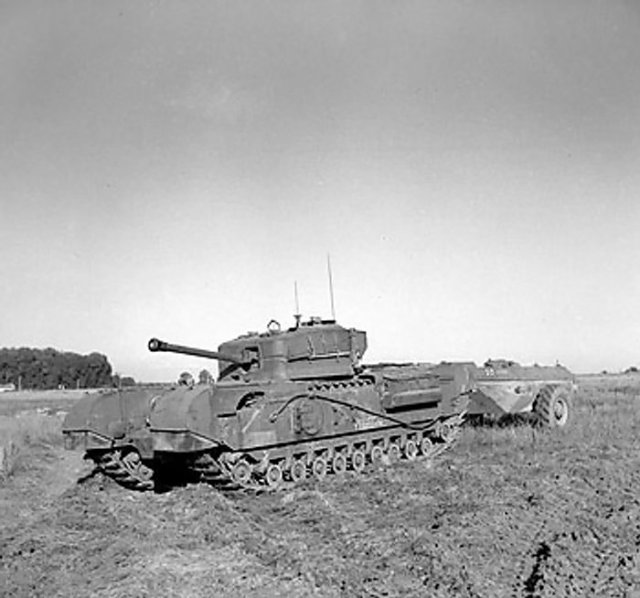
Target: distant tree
205 377
50 368
127 381
632 370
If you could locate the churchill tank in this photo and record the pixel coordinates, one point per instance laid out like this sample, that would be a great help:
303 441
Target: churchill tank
286 405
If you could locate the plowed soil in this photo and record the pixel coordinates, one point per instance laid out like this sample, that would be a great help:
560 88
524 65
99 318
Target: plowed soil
509 511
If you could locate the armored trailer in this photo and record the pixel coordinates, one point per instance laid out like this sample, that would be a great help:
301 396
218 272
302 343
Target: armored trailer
504 387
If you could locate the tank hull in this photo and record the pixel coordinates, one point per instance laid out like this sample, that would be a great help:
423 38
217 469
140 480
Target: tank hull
206 431
109 420
246 417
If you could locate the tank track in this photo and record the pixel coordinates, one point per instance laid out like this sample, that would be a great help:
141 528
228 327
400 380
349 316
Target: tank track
126 468
284 467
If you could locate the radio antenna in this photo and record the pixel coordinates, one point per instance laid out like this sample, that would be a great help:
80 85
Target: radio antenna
333 308
297 315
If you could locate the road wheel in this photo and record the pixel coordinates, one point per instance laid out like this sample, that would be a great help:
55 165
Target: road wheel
394 453
377 454
241 472
339 464
552 407
426 446
319 468
298 470
410 450
273 475
358 460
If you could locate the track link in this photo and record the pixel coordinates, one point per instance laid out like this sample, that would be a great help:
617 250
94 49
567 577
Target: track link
126 468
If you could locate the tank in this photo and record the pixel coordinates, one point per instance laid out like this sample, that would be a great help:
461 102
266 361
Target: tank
287 404
505 388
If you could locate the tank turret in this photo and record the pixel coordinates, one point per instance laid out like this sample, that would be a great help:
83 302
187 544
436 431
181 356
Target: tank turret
310 350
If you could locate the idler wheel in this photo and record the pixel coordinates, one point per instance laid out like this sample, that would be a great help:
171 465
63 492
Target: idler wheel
410 450
358 460
241 472
377 454
444 431
394 453
273 475
339 464
319 468
426 446
298 470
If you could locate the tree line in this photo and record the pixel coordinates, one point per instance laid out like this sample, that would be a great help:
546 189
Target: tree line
49 368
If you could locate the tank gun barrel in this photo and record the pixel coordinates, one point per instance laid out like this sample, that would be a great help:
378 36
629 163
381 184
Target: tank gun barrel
156 345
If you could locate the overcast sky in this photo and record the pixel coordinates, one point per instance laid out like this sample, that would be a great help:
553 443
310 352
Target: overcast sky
171 168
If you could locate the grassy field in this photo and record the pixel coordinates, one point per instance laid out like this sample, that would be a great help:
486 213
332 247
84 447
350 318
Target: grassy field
12 403
509 511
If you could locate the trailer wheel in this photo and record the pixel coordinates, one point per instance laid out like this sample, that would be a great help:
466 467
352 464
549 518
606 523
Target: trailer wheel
552 407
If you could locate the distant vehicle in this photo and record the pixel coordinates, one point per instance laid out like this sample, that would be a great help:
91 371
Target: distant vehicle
504 387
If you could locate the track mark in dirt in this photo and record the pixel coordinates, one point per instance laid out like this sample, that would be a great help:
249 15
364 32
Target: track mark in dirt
583 542
534 582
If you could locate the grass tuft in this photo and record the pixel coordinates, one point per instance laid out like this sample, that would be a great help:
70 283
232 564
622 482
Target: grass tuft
21 433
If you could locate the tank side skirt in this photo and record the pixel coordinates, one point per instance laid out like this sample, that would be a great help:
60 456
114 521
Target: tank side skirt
424 425
428 425
355 407
532 382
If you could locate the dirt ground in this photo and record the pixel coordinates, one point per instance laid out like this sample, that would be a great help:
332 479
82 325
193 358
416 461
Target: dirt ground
509 511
